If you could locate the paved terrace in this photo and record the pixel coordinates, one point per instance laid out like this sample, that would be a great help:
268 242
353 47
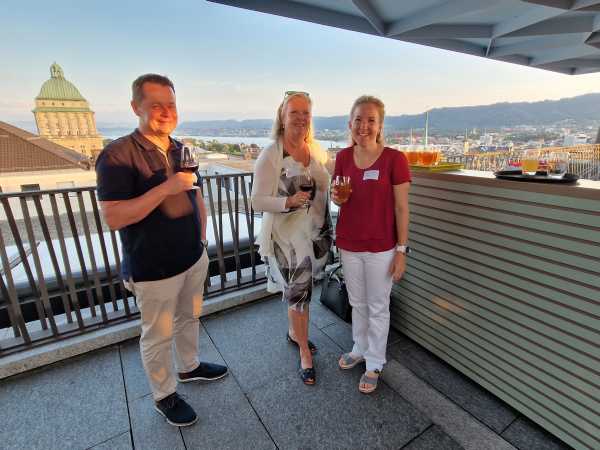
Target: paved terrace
101 400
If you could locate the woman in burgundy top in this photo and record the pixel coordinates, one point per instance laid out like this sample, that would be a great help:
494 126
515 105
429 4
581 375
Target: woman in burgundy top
371 233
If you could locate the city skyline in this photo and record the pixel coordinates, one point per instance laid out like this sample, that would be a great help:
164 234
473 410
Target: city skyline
229 63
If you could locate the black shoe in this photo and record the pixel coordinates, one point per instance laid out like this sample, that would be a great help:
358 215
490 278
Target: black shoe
312 347
204 371
308 376
176 411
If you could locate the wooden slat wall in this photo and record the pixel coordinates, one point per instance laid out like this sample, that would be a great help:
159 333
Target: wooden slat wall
504 284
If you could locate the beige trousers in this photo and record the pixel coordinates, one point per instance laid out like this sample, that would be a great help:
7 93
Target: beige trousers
170 309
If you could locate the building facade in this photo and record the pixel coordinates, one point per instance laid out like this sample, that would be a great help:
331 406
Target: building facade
64 116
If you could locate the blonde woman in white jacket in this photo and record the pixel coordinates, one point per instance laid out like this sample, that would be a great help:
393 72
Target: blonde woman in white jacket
290 187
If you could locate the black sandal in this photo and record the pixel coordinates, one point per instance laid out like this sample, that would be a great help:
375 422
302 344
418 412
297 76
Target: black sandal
308 376
312 347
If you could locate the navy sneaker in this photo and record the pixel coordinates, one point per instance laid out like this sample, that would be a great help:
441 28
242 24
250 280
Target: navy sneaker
204 371
176 411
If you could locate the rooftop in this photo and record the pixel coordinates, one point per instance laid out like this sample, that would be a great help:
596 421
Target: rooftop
22 151
104 399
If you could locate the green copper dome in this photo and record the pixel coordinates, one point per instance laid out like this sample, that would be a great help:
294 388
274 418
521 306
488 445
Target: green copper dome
57 87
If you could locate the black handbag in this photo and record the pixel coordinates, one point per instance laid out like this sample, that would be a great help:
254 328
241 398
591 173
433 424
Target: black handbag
335 296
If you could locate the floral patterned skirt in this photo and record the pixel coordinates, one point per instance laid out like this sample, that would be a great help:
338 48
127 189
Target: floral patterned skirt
301 251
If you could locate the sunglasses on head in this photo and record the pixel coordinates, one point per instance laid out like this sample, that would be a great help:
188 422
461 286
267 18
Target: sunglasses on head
290 93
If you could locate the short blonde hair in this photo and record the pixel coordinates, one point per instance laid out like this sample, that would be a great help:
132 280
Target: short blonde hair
370 99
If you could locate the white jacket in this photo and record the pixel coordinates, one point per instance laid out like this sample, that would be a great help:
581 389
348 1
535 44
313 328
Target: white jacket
267 172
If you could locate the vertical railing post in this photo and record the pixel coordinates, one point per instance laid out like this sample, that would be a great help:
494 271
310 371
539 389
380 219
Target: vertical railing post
45 300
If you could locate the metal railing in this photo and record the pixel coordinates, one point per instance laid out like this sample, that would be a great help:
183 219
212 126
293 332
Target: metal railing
60 264
584 159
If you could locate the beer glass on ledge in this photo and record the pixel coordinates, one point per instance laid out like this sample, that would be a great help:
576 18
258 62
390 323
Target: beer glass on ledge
530 162
558 164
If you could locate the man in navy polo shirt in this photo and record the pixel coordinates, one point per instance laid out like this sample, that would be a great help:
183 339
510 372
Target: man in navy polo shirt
162 225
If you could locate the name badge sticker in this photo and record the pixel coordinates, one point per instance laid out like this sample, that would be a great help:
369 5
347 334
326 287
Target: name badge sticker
371 175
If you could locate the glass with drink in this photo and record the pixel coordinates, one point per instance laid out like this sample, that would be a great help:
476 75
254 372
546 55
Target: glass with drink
307 185
558 164
343 188
430 157
419 157
413 156
189 160
530 162
426 157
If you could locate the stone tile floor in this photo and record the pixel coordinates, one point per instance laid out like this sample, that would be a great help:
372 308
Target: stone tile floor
102 400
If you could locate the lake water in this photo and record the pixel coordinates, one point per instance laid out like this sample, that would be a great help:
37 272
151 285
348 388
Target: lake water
260 141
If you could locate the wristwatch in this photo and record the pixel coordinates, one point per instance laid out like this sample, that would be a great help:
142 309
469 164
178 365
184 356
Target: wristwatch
205 243
403 249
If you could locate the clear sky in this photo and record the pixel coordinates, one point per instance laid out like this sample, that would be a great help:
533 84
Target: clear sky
232 63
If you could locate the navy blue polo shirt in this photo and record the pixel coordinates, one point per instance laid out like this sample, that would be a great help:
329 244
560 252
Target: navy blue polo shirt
159 246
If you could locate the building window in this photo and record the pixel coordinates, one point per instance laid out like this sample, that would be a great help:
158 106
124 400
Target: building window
30 187
65 184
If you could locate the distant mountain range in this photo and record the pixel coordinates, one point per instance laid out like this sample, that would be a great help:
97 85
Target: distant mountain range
580 109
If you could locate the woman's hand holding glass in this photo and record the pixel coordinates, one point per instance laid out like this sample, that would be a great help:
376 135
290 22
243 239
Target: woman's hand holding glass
340 190
299 200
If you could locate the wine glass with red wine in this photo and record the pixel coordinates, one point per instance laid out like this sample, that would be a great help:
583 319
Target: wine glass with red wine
189 160
307 185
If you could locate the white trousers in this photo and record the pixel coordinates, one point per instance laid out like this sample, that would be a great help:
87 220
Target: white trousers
369 283
170 310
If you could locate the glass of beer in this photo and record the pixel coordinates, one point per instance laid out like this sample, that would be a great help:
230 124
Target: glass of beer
558 164
430 157
419 158
343 188
413 156
426 157
530 162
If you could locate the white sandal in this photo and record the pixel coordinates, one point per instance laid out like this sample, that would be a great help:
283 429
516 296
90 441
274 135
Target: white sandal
370 382
348 362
